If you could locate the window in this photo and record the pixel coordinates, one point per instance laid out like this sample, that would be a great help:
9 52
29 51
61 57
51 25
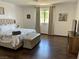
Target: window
44 15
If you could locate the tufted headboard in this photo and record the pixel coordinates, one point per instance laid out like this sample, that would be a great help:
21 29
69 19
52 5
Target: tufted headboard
7 21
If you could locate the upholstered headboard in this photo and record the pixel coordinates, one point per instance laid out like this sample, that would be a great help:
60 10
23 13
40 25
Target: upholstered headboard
7 21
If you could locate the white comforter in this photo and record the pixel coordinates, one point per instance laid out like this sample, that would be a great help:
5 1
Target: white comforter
14 40
23 31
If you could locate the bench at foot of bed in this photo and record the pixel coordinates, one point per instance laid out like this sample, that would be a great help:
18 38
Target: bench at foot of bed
31 40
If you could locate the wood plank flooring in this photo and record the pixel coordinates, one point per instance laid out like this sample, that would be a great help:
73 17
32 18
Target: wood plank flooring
50 47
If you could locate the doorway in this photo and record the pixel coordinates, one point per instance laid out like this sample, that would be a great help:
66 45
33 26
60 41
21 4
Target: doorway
44 20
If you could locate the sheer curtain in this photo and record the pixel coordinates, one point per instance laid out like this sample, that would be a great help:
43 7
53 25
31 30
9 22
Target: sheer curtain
38 19
51 25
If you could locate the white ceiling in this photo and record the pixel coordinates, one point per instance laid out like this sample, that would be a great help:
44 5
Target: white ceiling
37 2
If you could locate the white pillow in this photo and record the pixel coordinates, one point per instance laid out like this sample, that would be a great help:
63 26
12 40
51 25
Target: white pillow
12 26
8 27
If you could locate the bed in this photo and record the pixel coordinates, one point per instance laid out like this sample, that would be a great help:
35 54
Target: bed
7 38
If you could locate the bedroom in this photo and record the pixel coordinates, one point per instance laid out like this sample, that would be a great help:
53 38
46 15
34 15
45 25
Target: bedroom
19 10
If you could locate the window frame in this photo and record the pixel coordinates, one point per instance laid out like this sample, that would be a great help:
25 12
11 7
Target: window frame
44 11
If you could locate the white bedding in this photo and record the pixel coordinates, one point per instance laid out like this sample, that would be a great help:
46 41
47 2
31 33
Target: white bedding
14 40
23 31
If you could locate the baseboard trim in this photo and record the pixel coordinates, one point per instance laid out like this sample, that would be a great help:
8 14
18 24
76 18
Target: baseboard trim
44 34
54 35
60 36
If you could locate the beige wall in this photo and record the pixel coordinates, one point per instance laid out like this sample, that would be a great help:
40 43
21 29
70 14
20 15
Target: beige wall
61 27
9 10
29 23
19 16
12 12
77 11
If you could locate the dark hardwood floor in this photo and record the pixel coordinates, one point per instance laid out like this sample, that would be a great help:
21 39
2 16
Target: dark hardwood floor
52 47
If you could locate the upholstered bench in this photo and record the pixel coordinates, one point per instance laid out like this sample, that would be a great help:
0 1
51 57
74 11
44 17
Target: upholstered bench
31 40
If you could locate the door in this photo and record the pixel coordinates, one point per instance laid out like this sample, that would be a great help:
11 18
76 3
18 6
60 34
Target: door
44 20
